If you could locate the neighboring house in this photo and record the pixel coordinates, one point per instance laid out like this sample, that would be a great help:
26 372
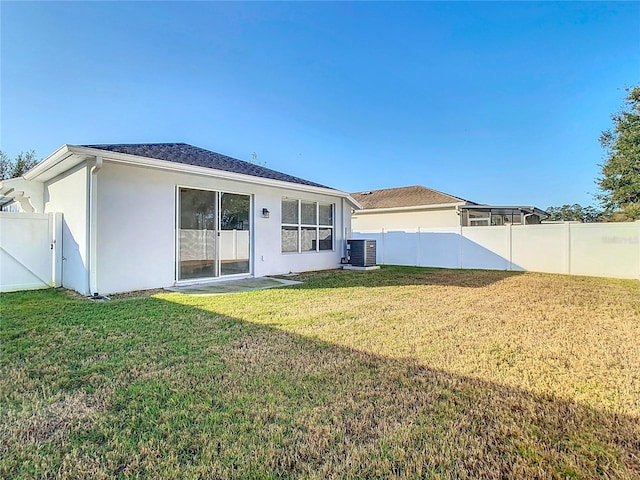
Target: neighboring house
146 216
418 206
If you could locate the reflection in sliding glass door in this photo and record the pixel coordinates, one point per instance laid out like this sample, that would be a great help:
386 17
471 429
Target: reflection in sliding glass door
198 226
234 233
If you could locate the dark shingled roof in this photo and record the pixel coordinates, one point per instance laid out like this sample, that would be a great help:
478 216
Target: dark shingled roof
190 155
414 196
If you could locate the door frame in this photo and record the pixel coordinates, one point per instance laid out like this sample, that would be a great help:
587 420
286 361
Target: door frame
219 277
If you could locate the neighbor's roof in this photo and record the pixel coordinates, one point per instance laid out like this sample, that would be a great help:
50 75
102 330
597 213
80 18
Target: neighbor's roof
414 196
190 155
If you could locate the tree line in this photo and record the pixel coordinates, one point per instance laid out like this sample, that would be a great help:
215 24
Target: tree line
18 166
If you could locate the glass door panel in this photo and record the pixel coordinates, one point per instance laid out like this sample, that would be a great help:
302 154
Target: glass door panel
197 225
234 233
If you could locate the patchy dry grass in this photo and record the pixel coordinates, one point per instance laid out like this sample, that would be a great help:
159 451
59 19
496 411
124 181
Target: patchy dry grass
399 373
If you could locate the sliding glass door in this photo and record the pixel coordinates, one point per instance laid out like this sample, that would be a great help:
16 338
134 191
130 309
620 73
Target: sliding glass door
213 237
197 242
234 233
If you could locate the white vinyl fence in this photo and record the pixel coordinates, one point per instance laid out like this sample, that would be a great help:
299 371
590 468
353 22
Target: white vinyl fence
30 250
200 244
596 249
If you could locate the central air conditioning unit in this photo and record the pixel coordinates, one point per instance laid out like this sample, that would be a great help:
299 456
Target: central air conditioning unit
362 253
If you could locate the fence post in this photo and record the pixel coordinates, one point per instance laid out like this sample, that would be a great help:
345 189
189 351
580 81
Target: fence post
460 242
418 250
510 246
235 244
638 225
567 263
55 224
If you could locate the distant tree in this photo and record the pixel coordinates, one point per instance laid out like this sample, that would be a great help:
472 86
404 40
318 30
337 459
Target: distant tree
575 213
5 166
620 175
17 167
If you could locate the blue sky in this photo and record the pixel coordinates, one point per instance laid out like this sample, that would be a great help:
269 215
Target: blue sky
498 103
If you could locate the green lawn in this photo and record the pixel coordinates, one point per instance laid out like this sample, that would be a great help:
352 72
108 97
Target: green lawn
396 373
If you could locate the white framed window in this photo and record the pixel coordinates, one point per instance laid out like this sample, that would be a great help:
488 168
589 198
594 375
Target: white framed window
306 226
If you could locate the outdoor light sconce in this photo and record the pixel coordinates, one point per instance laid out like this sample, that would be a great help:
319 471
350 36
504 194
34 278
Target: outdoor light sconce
265 213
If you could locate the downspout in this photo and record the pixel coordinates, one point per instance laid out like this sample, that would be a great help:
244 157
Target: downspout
93 228
343 254
526 215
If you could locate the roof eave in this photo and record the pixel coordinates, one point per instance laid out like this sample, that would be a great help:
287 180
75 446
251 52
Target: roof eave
38 173
354 203
81 153
532 209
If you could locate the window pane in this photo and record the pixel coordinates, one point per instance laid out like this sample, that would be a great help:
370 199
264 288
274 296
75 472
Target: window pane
197 234
308 240
326 214
499 219
476 222
289 211
309 213
326 239
234 211
234 235
289 239
197 209
479 214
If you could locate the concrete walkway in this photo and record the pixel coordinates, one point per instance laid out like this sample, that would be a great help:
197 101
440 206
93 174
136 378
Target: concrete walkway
233 286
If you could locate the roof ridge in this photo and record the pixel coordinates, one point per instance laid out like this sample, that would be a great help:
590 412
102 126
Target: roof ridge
369 192
407 196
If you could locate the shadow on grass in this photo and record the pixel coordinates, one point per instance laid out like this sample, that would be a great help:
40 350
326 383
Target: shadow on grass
174 391
393 276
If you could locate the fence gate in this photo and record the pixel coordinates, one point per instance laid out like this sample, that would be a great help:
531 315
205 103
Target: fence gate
30 250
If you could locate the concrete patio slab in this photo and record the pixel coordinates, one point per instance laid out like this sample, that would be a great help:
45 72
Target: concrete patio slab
232 286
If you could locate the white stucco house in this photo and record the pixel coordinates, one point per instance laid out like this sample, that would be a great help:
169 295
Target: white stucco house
417 206
144 216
